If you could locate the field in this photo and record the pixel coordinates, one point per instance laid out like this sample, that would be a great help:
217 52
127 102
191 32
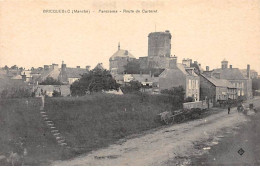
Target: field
87 123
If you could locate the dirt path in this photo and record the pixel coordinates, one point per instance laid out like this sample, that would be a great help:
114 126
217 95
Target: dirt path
169 144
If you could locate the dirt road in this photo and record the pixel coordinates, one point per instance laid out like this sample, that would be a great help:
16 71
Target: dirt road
172 145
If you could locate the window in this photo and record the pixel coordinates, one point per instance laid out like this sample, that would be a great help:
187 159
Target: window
189 84
242 93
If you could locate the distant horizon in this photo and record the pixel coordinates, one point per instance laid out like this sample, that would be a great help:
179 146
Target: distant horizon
204 31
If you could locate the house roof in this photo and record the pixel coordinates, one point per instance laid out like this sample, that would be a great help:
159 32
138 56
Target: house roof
122 53
230 74
218 82
100 66
75 72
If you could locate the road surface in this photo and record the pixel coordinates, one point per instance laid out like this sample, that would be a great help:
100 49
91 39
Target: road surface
181 144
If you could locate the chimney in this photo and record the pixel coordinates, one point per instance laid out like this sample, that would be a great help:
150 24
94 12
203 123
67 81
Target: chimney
173 62
78 67
230 66
150 73
224 64
118 46
87 67
46 67
248 71
207 68
63 66
195 62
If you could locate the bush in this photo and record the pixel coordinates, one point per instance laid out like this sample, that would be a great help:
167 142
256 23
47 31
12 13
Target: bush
189 99
131 87
96 80
16 93
56 93
176 97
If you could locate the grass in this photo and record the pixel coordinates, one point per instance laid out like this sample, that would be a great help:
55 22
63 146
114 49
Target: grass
92 122
87 123
19 121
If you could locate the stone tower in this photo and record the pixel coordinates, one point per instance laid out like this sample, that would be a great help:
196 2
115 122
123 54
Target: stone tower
159 44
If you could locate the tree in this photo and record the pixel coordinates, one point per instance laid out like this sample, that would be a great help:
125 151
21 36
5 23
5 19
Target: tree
14 67
6 67
132 87
94 81
50 81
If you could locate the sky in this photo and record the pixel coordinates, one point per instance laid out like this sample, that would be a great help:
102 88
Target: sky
204 30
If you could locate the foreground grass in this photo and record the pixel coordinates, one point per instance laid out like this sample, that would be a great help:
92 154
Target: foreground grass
22 121
92 122
87 123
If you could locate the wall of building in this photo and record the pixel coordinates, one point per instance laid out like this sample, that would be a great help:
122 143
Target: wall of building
118 64
207 90
193 87
175 80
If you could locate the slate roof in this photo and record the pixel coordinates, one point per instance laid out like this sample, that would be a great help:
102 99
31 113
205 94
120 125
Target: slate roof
218 82
230 74
75 72
121 53
180 69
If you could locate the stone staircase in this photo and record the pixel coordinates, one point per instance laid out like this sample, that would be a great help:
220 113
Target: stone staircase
50 124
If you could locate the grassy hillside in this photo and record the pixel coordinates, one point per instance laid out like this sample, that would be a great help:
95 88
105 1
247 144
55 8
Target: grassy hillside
87 123
92 122
21 122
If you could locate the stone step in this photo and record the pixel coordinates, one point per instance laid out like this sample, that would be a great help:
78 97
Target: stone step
44 115
61 141
46 118
49 124
56 134
54 131
42 112
53 127
63 144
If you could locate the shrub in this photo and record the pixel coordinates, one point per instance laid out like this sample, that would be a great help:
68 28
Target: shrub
16 93
131 87
56 93
189 99
96 80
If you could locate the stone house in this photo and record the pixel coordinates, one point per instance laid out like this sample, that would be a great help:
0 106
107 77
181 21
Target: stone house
216 90
69 75
179 75
235 77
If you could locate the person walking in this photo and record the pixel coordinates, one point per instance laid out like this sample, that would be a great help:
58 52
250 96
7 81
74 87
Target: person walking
228 109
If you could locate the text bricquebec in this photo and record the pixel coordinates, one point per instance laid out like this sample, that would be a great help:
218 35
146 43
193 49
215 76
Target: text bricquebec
65 11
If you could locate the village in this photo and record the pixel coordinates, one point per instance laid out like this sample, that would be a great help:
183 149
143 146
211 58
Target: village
82 109
157 71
